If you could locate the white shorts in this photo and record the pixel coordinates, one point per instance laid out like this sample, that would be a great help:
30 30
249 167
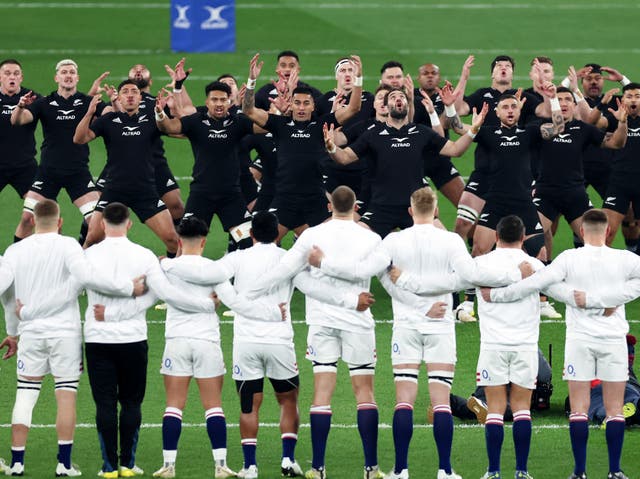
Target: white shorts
585 360
409 346
327 345
496 368
196 358
62 357
257 360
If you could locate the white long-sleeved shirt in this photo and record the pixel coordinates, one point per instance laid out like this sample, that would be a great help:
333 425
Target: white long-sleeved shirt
590 268
41 266
118 256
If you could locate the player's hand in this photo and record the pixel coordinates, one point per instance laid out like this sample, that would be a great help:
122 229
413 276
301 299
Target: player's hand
583 72
98 311
19 307
478 118
316 256
437 310
548 89
526 269
394 273
95 86
613 74
609 311
93 105
580 297
486 294
466 67
111 92
283 310
447 94
365 300
216 299
292 82
357 65
408 88
621 113
140 286
329 136
180 73
11 343
255 67
606 98
162 99
573 78
26 99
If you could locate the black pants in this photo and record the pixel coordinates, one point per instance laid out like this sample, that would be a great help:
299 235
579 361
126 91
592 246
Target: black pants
117 373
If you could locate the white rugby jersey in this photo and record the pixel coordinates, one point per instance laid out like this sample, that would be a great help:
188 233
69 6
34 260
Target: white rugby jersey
589 269
43 266
117 256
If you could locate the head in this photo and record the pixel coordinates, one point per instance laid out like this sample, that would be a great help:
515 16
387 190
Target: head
510 231
141 74
429 77
46 216
502 68
546 64
567 102
10 76
345 74
115 219
192 235
397 103
218 99
129 95
229 79
631 98
264 227
423 205
392 74
593 82
67 76
302 103
379 101
288 62
508 110
343 202
595 227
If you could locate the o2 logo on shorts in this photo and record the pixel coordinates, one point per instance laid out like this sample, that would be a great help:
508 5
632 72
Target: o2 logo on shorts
236 370
485 375
20 364
167 363
570 370
395 348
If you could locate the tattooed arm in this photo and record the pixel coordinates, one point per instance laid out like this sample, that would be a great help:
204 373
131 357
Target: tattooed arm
551 130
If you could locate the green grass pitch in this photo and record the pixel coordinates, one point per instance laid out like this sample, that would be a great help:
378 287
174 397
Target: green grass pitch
114 35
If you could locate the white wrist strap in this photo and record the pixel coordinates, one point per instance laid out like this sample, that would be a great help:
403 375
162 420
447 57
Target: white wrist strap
450 111
251 83
435 119
555 104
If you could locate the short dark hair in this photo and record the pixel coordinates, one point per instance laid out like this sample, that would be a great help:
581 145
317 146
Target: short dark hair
343 199
264 227
510 229
391 64
115 214
288 53
595 68
595 217
540 60
391 90
227 75
631 86
303 90
217 86
10 61
130 81
507 96
382 87
192 227
503 58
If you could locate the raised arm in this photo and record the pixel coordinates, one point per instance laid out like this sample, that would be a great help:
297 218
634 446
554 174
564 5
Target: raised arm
83 133
431 111
457 148
460 104
20 115
257 115
551 130
344 156
170 126
182 100
355 102
619 137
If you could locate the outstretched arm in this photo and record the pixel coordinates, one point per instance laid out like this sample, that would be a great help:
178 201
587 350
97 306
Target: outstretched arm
355 102
457 148
257 115
20 115
83 133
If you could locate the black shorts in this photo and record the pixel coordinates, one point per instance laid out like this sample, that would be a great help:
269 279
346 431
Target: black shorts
165 181
230 208
383 219
145 204
440 170
20 178
263 202
478 183
597 175
620 196
48 182
494 210
294 211
350 178
570 202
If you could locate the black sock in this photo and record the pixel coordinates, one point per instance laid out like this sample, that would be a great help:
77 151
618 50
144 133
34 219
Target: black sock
84 229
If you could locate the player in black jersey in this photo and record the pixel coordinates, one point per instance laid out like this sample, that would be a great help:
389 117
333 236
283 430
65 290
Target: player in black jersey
215 138
349 175
129 137
395 151
18 145
559 188
62 163
288 69
300 199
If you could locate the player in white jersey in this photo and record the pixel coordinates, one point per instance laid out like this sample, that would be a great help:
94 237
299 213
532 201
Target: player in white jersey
35 270
595 347
418 250
263 343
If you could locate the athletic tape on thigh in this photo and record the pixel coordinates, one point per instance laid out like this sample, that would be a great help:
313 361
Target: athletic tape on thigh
362 370
246 390
29 204
325 367
410 375
285 385
88 208
441 377
67 384
466 213
240 232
